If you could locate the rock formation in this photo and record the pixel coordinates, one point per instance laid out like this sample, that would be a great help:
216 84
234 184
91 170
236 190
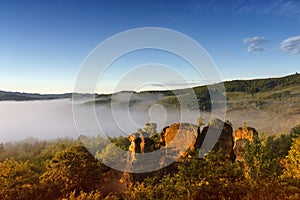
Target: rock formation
241 137
245 133
179 137
211 138
135 145
140 143
184 136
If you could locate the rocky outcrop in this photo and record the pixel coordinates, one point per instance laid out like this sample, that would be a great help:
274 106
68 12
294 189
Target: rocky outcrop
211 138
179 138
185 136
135 145
174 139
245 133
140 143
241 137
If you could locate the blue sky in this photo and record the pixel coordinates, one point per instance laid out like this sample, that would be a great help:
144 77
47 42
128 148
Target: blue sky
43 43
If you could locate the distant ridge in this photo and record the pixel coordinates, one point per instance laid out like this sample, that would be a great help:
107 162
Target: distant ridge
20 96
250 86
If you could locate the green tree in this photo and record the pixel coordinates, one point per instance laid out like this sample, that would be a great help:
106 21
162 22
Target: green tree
253 157
295 131
150 128
263 156
94 144
200 121
292 162
111 155
1 148
72 169
121 142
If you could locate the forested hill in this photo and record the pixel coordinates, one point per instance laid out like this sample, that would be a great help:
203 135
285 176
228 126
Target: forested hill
20 96
254 86
262 85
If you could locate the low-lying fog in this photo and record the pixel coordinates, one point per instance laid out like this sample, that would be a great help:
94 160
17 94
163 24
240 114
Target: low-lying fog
50 119
40 119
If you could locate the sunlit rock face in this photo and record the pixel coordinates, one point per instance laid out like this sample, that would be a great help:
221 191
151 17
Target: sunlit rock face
211 135
175 141
186 136
135 146
179 138
241 137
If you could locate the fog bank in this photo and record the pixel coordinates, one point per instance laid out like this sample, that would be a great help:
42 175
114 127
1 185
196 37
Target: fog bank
50 119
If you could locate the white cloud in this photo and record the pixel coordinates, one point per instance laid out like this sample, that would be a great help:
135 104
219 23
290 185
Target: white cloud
255 48
256 39
291 45
255 43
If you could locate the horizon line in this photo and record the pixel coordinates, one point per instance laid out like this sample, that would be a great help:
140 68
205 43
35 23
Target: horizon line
179 88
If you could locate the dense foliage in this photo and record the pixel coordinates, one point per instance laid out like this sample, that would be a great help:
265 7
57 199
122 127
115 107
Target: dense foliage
261 85
65 169
72 169
17 180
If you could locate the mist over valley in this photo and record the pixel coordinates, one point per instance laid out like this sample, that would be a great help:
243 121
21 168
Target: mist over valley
269 105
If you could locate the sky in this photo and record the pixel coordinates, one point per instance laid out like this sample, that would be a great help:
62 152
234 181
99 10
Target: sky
44 43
